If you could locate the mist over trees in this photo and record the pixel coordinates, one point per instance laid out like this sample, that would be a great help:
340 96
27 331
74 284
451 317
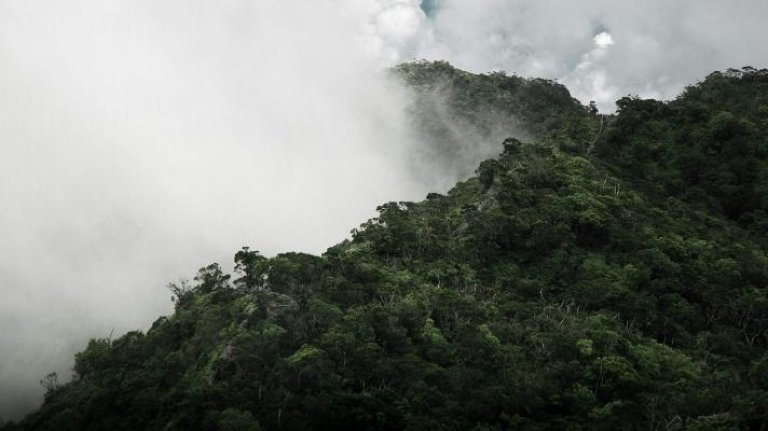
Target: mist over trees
603 272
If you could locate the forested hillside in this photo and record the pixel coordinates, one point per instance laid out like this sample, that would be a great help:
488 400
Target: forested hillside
605 272
461 119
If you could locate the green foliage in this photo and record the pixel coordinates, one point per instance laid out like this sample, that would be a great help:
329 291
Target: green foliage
232 420
707 147
252 266
620 286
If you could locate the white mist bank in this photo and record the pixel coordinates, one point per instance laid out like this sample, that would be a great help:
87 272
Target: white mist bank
141 140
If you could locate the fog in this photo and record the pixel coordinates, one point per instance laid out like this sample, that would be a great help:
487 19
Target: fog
143 139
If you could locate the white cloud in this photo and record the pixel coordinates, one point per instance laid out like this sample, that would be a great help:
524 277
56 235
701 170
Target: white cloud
141 140
589 79
652 48
387 29
603 40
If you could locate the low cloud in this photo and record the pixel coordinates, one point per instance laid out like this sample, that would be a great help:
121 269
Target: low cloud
141 140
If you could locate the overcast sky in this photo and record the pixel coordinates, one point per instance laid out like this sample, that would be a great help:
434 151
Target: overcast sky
140 140
601 49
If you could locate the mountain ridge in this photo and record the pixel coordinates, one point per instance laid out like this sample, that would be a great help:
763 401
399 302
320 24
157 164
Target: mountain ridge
604 272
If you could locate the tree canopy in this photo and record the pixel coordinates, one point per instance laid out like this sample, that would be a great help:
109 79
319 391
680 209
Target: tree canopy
606 272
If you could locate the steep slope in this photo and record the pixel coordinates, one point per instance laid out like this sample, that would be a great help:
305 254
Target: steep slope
579 286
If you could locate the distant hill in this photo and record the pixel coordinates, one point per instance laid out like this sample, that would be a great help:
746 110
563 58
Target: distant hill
604 272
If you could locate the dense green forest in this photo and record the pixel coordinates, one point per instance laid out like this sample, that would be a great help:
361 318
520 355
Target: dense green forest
604 272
